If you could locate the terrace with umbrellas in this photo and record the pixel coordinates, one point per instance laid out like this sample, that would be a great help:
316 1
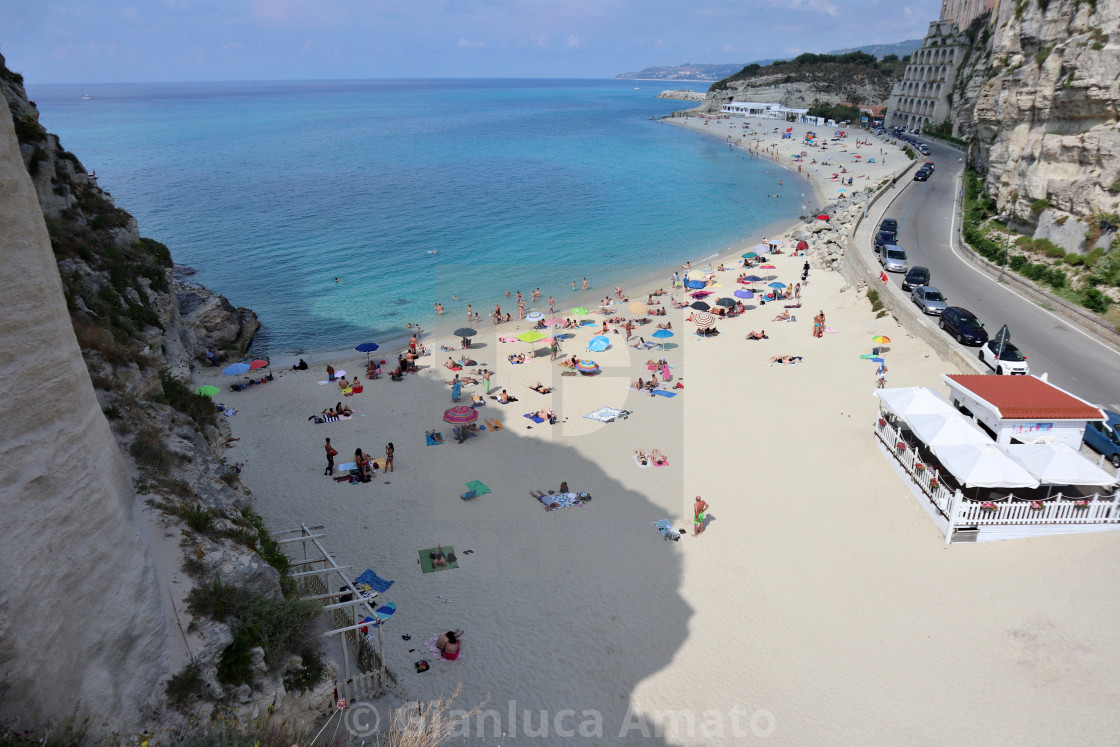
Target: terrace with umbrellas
1000 458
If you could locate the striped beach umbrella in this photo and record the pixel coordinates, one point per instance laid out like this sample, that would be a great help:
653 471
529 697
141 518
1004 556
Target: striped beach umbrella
881 339
555 321
587 366
533 316
703 319
460 414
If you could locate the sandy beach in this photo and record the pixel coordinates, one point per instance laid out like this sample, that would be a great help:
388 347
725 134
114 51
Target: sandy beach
820 604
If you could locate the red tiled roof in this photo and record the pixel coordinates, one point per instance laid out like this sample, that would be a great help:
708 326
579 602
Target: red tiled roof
1027 398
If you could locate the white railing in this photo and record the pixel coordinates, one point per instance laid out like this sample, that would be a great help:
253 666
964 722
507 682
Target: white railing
1099 508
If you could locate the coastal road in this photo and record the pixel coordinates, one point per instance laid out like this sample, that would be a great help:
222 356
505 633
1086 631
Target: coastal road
1075 360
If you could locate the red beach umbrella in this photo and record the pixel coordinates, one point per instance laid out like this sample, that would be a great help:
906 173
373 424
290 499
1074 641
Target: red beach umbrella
253 366
460 414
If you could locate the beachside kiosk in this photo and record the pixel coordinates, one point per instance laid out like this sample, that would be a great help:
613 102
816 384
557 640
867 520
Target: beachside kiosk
1022 409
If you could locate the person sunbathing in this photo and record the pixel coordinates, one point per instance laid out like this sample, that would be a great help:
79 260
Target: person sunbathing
785 359
544 497
446 349
452 365
505 399
343 383
757 335
517 358
546 414
782 317
570 362
639 384
436 436
541 388
343 410
658 458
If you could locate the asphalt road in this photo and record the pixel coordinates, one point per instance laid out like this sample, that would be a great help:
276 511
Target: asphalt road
1075 360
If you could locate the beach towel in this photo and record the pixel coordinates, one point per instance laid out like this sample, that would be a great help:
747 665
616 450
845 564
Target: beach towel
430 644
426 560
666 530
662 463
534 418
563 500
347 466
337 375
507 339
831 331
495 425
229 412
478 487
431 441
639 462
380 615
568 373
664 393
373 581
607 414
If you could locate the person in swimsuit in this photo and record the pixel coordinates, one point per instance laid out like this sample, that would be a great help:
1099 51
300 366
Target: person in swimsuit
388 457
448 644
699 506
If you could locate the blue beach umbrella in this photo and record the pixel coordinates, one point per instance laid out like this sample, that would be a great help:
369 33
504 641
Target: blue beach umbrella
367 348
743 294
776 284
749 255
662 334
694 284
753 279
598 344
236 369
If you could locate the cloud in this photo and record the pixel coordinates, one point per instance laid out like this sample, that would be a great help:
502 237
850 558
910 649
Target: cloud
465 43
574 42
231 45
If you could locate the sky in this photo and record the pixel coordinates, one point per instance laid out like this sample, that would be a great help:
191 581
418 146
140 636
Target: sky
113 41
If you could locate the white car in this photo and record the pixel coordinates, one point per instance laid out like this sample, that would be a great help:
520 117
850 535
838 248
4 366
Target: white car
1012 361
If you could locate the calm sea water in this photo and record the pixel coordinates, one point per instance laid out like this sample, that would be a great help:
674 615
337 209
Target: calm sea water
410 192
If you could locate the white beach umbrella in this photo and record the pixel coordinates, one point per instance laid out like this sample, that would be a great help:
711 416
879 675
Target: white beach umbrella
984 466
914 400
1058 464
946 429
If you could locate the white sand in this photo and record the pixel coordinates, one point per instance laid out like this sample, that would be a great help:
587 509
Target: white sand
821 599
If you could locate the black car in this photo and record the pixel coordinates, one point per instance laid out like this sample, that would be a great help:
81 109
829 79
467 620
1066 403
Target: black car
889 224
921 175
963 325
885 237
917 276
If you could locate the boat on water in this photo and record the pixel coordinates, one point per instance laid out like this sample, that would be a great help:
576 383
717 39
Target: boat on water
86 96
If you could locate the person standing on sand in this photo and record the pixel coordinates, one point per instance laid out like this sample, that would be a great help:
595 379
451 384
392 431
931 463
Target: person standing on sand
817 325
820 328
551 305
331 454
486 379
388 458
699 506
470 314
554 348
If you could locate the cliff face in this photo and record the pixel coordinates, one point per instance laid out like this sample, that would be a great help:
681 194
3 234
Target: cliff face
99 646
1045 118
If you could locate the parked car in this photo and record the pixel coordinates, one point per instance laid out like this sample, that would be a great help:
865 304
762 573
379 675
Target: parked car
915 277
921 175
963 325
893 258
928 165
928 299
1012 361
883 238
889 224
1105 437
923 149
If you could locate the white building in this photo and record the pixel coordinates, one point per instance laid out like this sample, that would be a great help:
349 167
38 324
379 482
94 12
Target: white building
766 111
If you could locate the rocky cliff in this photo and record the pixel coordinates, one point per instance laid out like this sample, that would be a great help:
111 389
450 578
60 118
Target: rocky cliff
130 547
1044 114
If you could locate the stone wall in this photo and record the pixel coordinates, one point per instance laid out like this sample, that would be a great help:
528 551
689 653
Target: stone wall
66 498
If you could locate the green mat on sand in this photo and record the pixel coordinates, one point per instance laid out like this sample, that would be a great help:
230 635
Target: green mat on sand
478 487
426 562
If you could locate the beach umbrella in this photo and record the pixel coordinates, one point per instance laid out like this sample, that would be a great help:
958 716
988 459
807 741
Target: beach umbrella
587 366
555 321
693 283
776 284
876 359
703 319
699 306
762 248
775 242
460 414
465 332
881 339
367 348
802 246
207 390
580 311
598 344
753 279
254 365
726 302
533 316
767 267
750 255
236 369
662 334
531 336
743 294
638 307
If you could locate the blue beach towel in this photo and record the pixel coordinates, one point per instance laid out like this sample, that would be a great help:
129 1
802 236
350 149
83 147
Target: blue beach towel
431 441
373 581
664 393
534 418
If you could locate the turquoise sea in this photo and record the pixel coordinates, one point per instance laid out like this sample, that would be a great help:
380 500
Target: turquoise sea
411 192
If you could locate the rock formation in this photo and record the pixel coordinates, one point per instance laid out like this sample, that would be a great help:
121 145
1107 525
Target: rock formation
1045 116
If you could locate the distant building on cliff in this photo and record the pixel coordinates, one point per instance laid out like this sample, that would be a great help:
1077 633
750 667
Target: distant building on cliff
767 111
922 96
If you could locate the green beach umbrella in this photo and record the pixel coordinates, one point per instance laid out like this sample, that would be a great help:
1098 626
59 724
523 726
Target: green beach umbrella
207 390
531 336
580 311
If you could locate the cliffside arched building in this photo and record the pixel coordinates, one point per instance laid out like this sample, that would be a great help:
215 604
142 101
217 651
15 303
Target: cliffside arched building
923 95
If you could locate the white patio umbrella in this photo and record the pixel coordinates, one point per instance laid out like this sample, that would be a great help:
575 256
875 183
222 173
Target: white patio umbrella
1058 464
984 466
913 400
946 429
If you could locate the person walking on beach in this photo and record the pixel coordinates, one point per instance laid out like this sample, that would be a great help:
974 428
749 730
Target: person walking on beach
331 454
881 376
388 458
699 506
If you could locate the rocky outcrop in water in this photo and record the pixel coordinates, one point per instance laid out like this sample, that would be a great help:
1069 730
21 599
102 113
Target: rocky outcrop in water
1044 106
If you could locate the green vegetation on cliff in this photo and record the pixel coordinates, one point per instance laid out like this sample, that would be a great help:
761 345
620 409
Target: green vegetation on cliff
823 68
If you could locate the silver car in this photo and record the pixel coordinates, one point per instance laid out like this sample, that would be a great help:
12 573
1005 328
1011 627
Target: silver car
928 299
893 258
